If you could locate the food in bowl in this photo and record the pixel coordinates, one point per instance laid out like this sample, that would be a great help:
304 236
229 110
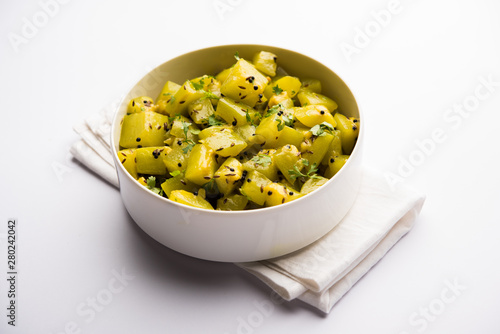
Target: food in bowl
247 137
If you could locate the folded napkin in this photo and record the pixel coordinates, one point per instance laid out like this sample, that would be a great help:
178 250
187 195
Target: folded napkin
321 273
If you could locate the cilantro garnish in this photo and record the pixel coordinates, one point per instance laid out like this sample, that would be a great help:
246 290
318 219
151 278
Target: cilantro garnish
190 143
285 120
151 183
277 90
311 173
273 110
214 121
210 95
237 55
262 159
198 85
321 129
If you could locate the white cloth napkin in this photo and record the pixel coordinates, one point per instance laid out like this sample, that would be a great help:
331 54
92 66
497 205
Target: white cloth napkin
321 273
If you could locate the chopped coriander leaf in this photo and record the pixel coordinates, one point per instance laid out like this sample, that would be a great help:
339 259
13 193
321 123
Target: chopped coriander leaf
320 129
277 90
262 159
311 173
214 121
198 85
273 110
210 95
151 183
189 147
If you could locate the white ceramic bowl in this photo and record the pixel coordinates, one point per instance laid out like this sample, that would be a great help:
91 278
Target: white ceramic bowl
240 236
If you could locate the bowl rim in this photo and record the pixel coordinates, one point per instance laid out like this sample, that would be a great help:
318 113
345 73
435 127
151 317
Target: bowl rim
115 127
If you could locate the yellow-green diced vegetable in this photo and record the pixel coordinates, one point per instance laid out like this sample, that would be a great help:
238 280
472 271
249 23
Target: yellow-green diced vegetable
188 198
140 104
349 131
233 113
143 129
265 62
150 160
225 143
287 158
165 96
127 158
289 84
228 174
182 98
277 194
244 83
201 165
201 110
178 182
335 164
312 184
316 147
309 98
253 187
263 162
312 115
232 202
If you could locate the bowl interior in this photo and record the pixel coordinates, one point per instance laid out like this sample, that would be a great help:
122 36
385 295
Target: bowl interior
214 59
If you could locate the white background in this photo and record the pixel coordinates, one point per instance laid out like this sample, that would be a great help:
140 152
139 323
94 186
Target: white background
74 234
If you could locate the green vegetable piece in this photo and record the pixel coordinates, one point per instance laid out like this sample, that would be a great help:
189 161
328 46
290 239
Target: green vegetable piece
289 84
178 182
140 104
232 202
127 158
201 110
143 129
175 159
253 187
263 162
150 160
225 142
335 148
188 198
232 112
314 149
312 184
335 164
244 83
201 164
290 136
312 115
165 96
228 175
310 98
182 98
265 62
277 193
288 158
349 131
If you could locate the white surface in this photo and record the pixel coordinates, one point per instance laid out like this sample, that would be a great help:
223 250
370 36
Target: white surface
74 233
